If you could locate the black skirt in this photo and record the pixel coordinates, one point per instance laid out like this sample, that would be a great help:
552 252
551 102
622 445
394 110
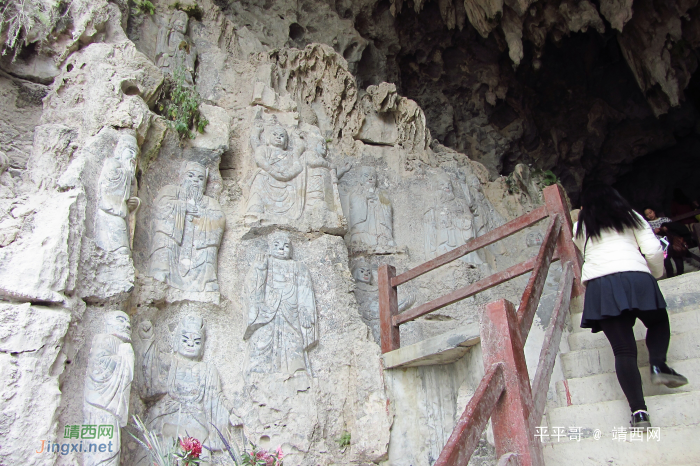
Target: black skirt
610 295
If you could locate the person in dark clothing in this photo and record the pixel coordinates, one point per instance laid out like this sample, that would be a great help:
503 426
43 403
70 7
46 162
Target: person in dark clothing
678 239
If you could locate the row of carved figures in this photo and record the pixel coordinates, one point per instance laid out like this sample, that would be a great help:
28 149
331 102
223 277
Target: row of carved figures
289 183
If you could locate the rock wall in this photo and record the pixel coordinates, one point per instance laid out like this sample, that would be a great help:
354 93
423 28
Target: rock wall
243 258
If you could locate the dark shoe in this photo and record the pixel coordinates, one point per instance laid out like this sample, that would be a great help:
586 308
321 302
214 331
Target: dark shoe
664 375
640 419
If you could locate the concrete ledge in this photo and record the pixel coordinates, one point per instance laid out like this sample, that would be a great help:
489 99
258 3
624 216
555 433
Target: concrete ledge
442 349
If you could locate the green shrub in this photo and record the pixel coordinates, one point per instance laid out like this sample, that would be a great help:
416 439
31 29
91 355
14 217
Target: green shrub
144 6
181 106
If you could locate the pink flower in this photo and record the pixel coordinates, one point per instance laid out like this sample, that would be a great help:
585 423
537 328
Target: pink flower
192 446
280 455
266 457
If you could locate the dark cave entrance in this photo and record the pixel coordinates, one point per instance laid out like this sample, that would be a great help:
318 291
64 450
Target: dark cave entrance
574 107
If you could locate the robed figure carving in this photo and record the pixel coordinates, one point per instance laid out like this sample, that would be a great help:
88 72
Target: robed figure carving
108 384
278 185
185 391
116 189
449 223
187 231
174 49
282 321
369 214
486 218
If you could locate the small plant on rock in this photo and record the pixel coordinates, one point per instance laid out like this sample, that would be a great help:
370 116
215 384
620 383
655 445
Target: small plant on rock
344 440
144 6
181 106
186 452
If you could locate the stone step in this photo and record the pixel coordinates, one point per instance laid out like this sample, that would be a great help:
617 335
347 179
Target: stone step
584 363
679 409
680 323
677 446
605 387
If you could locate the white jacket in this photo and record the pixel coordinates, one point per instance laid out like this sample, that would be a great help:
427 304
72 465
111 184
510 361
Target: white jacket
620 252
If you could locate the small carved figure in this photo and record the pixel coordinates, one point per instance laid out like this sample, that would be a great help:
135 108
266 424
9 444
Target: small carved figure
449 224
108 385
485 216
187 231
282 320
185 391
367 295
116 186
369 214
174 49
322 179
278 185
534 238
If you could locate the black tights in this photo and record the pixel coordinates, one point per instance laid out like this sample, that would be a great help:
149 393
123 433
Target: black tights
669 267
621 337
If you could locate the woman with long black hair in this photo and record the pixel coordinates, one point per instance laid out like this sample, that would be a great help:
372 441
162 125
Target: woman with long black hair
621 258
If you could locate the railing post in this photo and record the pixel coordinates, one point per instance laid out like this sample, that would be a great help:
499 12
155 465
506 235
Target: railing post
501 342
388 308
554 200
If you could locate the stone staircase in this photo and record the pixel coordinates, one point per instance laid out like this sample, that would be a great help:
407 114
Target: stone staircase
590 397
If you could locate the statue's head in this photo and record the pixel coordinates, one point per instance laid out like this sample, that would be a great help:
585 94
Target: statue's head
443 185
322 148
194 180
118 323
362 271
534 238
179 21
127 149
189 337
368 177
278 137
280 245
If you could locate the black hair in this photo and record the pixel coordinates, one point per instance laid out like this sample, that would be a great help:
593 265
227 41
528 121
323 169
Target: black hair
602 208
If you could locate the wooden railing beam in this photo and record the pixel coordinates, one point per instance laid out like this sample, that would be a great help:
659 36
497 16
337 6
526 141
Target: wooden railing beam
555 202
491 237
511 419
467 432
462 293
533 290
388 309
550 346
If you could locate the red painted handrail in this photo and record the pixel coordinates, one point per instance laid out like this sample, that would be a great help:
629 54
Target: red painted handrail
504 393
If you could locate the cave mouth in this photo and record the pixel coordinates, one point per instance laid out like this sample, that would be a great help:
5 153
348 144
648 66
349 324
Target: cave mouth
572 106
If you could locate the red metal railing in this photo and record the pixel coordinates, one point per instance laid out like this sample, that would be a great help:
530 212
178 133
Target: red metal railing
504 394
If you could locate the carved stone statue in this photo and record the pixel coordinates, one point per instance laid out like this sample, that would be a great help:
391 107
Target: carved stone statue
187 231
108 385
485 216
534 239
185 392
174 49
369 214
278 185
322 179
282 318
367 295
449 223
116 187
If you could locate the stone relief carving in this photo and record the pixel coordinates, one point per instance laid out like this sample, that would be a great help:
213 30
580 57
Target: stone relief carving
522 184
486 218
110 372
369 214
277 190
184 392
367 295
449 223
294 182
174 49
322 179
534 239
116 187
282 317
187 231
